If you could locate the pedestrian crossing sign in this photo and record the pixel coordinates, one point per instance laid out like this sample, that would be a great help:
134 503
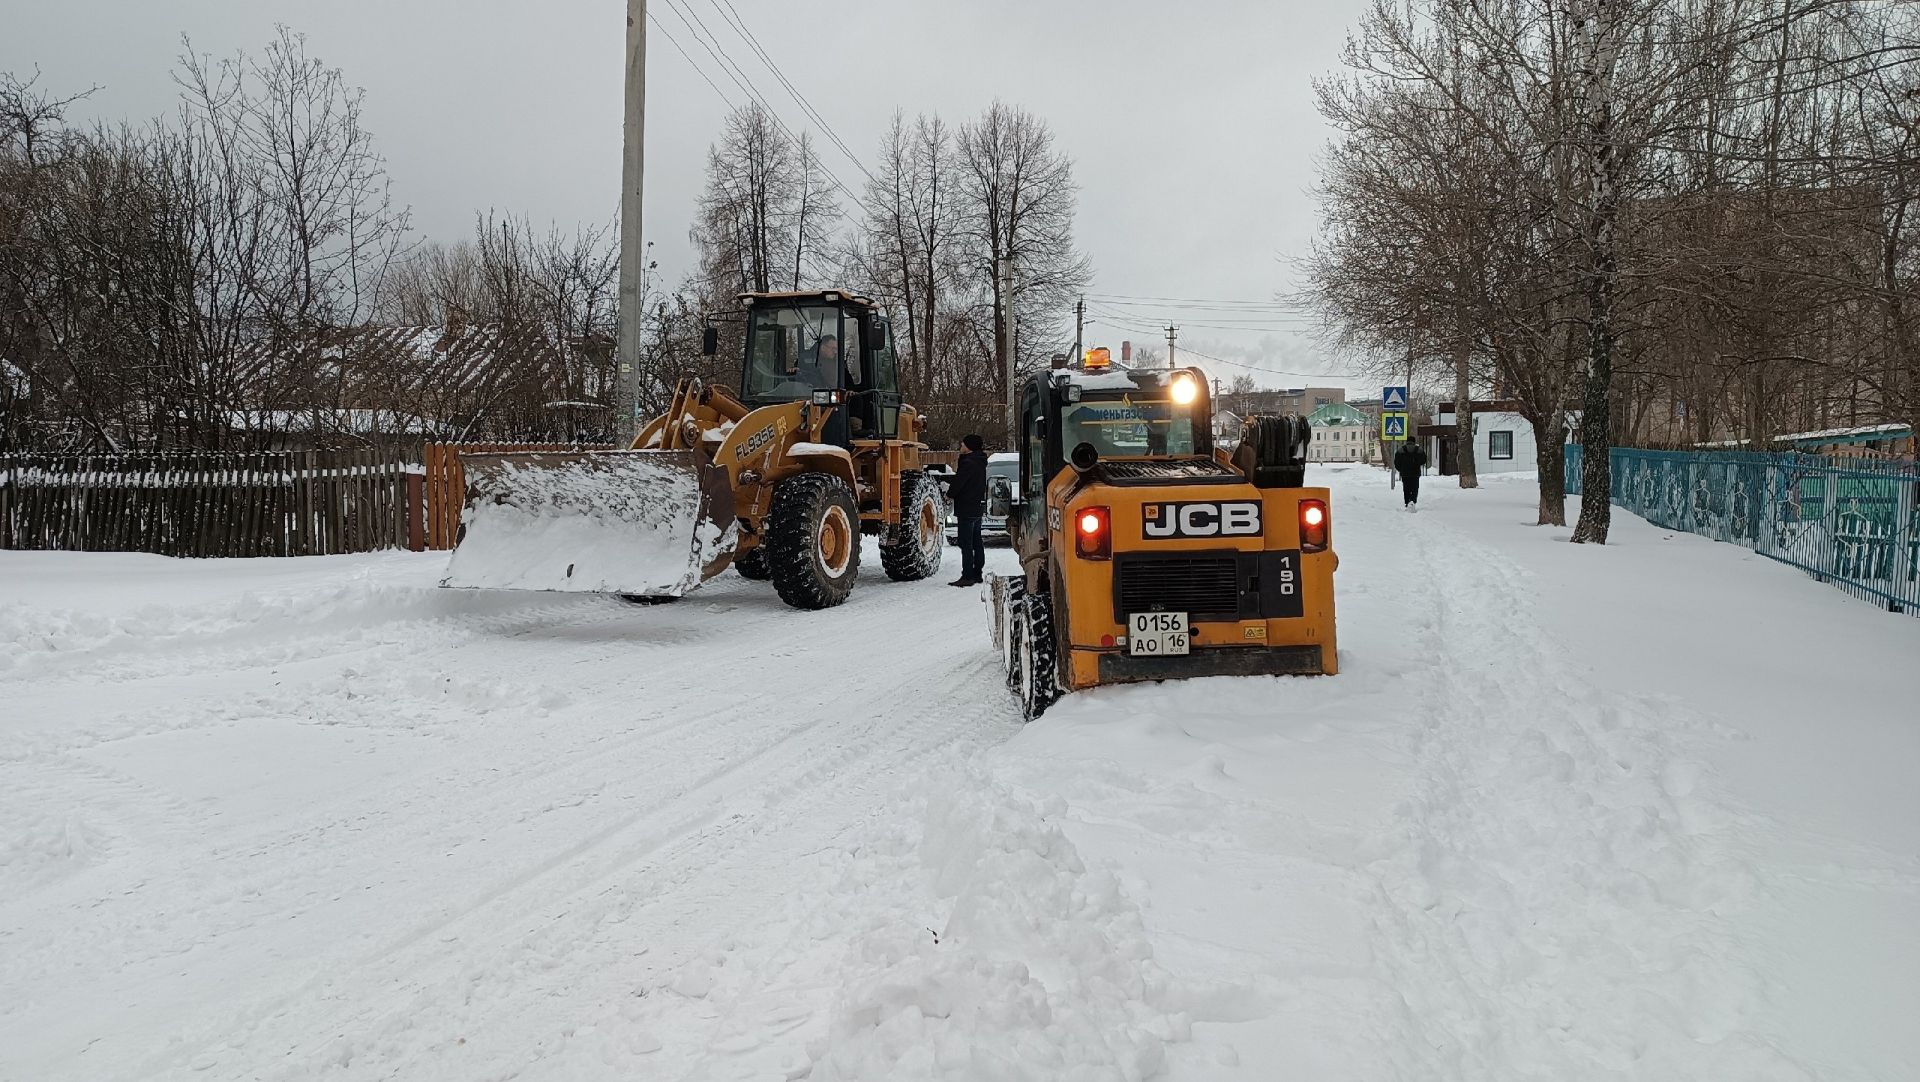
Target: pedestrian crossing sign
1393 426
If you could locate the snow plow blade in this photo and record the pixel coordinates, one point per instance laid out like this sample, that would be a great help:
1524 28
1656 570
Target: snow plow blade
646 523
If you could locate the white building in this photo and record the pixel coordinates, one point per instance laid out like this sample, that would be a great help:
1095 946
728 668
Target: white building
1502 439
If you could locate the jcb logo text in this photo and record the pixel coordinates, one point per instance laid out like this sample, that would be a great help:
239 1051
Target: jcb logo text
1238 519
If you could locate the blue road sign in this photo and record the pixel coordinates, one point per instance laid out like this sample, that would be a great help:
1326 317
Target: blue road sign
1393 426
1393 398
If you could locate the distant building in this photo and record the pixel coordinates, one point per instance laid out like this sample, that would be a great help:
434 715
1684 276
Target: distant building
1342 433
1301 400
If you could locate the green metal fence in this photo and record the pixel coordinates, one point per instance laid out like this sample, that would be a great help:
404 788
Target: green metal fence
1852 522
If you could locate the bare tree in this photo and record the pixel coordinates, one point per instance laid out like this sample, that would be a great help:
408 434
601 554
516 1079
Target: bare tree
746 215
1019 201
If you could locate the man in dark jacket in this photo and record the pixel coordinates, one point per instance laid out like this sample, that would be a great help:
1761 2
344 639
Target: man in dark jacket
1408 460
968 489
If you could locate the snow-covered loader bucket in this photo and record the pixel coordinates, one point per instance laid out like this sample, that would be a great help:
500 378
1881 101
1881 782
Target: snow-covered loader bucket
645 523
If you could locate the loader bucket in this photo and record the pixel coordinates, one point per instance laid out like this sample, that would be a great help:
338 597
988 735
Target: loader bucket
649 523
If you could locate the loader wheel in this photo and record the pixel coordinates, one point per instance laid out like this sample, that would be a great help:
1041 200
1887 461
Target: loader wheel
753 565
1034 680
913 548
813 541
1006 623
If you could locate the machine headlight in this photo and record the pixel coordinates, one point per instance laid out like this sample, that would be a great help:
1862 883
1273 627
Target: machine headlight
1185 390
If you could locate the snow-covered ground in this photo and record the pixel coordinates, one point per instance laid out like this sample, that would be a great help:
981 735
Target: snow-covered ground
1639 812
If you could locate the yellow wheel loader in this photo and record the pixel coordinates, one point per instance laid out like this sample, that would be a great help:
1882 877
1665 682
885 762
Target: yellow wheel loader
780 480
1147 554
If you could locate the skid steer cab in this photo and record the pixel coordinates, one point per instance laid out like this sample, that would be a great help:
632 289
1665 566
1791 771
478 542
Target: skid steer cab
779 480
1147 554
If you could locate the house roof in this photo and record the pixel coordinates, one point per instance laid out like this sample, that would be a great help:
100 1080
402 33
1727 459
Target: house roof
389 365
1857 434
1338 413
1490 405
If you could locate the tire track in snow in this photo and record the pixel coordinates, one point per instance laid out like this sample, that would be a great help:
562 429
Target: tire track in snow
782 770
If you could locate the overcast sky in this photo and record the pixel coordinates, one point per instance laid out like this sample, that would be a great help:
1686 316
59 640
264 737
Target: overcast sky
1192 125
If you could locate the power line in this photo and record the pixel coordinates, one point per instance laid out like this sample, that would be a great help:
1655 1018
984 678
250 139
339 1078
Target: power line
738 76
1190 351
1265 325
1193 300
1223 306
739 23
697 69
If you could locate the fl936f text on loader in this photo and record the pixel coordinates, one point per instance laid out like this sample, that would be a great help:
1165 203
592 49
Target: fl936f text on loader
1146 553
779 480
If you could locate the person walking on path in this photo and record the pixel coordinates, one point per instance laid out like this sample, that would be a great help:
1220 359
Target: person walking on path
1408 460
968 489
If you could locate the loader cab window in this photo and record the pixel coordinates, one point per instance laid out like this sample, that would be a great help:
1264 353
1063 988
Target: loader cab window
1125 426
794 349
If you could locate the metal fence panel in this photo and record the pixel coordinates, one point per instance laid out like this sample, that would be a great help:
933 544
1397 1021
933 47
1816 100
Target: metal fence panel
1851 522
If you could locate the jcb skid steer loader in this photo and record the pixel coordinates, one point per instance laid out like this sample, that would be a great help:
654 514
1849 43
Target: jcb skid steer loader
1145 553
779 481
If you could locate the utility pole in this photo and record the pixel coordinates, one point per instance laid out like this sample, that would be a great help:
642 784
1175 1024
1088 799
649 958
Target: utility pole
633 255
1079 329
1003 342
1172 333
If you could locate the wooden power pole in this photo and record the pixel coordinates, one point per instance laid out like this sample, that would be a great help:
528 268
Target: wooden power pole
626 384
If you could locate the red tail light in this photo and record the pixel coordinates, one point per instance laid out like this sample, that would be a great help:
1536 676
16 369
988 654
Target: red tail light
1093 533
1314 526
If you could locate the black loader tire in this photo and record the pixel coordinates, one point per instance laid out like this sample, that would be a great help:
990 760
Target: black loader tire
808 510
753 565
909 554
1036 684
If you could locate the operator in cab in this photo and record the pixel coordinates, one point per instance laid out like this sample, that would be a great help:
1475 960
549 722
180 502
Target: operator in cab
819 369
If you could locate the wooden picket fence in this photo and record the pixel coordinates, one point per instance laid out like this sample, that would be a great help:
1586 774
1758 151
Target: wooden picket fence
302 503
446 483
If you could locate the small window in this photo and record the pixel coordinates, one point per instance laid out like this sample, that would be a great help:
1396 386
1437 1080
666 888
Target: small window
1500 444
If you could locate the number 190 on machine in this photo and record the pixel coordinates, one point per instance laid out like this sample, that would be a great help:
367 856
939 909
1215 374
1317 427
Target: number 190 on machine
1154 634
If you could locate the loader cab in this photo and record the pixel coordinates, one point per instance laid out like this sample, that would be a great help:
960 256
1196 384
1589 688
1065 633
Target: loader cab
800 344
1121 416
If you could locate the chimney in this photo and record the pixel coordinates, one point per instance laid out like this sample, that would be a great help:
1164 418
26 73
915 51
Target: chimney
1126 351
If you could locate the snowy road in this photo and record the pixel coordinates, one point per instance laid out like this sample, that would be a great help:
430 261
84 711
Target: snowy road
1565 814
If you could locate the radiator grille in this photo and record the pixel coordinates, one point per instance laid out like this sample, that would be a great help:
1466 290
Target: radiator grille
1200 585
1122 471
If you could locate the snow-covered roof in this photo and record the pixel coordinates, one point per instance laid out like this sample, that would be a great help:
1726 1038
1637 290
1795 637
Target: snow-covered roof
1887 431
1003 456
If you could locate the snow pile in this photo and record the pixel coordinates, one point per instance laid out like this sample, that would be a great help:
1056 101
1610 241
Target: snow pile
601 522
37 640
1041 971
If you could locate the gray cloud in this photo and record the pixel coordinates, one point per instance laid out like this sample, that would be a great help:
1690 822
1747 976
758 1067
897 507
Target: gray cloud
1192 125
